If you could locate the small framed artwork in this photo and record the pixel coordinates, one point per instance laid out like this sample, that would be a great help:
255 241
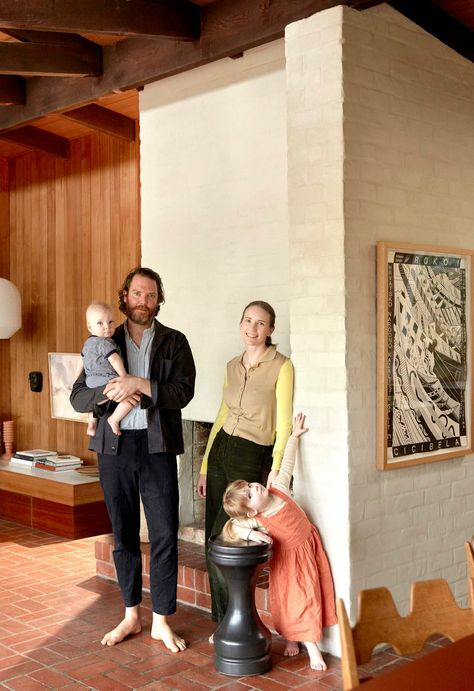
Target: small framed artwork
63 371
424 354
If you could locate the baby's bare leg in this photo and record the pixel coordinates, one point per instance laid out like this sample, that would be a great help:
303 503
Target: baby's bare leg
315 658
129 625
119 413
91 425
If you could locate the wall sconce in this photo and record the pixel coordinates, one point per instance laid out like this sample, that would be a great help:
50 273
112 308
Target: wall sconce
10 309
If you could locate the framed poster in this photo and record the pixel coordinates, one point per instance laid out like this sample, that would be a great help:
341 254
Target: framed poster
63 372
424 354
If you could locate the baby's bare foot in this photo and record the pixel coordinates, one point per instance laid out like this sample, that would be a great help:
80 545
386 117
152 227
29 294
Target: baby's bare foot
91 427
115 426
316 661
291 648
127 627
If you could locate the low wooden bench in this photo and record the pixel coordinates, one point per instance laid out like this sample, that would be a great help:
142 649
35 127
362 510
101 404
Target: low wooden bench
63 503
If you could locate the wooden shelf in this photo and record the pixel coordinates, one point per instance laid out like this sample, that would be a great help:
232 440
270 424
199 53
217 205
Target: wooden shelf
66 503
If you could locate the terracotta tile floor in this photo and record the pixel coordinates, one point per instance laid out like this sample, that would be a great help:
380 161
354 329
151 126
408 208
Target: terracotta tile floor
54 611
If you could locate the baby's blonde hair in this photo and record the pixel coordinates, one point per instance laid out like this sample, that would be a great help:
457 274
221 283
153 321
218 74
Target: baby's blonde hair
94 307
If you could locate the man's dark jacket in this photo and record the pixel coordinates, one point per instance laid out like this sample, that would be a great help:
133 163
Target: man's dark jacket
172 376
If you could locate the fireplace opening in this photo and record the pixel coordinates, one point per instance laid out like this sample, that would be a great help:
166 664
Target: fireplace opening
192 509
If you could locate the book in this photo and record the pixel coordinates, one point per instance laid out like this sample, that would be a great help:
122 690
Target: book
56 469
35 454
28 462
64 459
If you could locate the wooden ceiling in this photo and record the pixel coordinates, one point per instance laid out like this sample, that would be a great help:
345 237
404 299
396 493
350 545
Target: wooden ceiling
69 66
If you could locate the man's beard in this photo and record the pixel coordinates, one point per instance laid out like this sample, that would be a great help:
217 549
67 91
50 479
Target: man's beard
140 315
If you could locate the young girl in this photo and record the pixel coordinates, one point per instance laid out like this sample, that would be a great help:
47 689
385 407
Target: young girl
301 588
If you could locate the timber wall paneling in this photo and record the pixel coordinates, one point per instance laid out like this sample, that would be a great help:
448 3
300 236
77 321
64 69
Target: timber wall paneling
74 234
5 411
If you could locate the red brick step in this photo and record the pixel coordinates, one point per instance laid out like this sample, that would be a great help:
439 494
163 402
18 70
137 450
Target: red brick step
193 583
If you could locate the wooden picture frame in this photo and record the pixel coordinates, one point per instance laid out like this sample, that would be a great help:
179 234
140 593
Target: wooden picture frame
63 370
424 354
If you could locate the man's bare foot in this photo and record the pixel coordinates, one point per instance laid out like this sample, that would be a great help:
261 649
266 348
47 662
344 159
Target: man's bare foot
115 426
291 648
315 658
161 631
131 624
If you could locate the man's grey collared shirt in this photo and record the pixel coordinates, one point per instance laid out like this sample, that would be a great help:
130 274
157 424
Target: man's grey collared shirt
139 366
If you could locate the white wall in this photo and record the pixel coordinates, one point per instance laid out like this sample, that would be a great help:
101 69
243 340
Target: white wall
378 119
214 205
408 177
317 280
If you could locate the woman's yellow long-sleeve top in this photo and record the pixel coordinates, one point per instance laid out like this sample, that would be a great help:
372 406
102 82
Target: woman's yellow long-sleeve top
257 404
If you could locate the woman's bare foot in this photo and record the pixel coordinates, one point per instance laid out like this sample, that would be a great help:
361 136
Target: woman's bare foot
129 625
291 648
115 426
161 631
316 661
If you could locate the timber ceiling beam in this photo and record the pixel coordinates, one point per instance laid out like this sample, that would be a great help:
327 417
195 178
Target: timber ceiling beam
438 23
52 60
228 27
12 91
178 20
103 119
47 37
39 140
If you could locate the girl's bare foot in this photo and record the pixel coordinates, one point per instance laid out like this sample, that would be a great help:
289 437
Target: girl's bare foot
291 648
115 426
315 658
131 624
161 631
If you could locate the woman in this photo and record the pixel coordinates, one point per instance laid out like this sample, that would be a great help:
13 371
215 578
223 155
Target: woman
254 421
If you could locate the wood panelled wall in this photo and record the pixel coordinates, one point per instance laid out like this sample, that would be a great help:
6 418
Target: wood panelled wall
4 273
74 235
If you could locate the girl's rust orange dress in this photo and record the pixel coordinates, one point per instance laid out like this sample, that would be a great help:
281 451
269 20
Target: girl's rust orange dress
301 587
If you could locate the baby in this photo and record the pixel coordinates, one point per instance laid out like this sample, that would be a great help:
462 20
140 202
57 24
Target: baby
101 360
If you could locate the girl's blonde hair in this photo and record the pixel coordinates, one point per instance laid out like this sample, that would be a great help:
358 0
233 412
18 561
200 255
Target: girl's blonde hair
236 498
235 504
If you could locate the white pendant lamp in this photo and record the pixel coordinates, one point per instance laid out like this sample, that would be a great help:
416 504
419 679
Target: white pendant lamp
10 309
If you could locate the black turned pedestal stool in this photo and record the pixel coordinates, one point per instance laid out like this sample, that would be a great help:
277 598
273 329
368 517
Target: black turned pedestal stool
242 643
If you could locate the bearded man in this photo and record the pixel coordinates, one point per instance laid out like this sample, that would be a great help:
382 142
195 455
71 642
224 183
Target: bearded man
141 460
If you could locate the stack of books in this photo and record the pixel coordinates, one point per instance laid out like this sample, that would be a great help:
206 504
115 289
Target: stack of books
31 457
57 463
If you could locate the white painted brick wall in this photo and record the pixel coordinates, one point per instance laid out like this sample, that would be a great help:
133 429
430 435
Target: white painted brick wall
317 283
214 205
409 166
